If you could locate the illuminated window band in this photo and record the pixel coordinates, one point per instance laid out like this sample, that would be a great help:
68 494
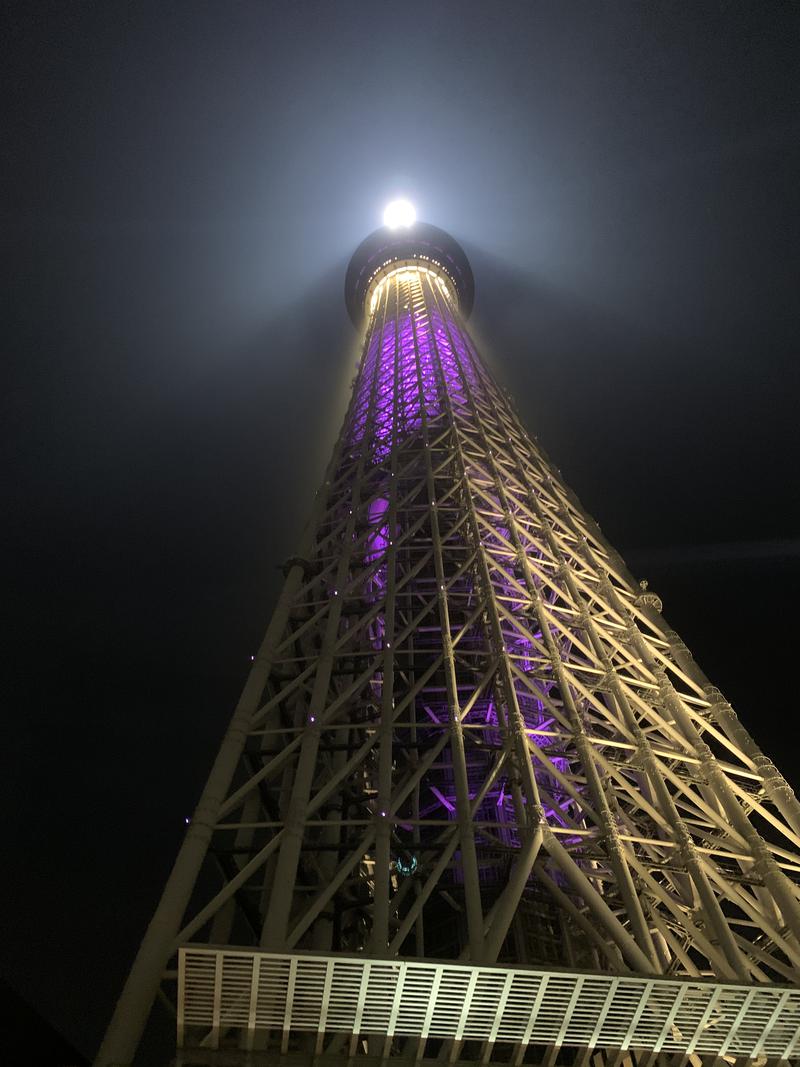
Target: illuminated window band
406 270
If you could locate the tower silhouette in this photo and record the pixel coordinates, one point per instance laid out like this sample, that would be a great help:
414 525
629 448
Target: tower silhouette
477 803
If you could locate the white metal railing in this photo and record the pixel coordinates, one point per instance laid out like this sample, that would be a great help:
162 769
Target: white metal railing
224 990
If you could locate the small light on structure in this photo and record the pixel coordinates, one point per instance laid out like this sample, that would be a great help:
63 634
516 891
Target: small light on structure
312 718
187 820
406 867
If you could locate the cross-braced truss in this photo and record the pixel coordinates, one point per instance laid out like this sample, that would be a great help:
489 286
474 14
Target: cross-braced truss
468 734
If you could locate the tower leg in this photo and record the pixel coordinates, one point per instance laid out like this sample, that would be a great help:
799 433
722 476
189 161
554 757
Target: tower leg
134 1005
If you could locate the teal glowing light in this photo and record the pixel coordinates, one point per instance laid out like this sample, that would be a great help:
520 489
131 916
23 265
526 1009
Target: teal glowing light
406 867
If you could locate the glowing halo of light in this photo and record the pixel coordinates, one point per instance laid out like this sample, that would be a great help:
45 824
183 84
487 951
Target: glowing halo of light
399 214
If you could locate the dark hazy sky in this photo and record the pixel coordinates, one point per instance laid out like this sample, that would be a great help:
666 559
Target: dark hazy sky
183 186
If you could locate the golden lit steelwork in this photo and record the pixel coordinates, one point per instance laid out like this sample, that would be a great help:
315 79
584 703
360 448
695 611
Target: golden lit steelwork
477 802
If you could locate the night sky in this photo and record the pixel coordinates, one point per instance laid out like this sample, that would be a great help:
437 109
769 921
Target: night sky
183 186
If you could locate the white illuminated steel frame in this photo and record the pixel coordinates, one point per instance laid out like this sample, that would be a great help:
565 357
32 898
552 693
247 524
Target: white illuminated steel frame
244 995
461 673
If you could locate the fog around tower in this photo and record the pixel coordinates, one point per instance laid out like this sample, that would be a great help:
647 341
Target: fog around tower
186 187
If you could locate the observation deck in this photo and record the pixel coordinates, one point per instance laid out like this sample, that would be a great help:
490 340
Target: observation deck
421 242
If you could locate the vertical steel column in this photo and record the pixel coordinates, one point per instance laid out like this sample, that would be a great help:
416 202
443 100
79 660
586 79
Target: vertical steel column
379 939
469 857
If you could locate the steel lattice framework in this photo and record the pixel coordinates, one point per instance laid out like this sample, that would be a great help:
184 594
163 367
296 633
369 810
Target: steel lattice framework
470 743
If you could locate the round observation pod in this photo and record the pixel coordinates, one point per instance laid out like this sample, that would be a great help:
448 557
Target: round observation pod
420 241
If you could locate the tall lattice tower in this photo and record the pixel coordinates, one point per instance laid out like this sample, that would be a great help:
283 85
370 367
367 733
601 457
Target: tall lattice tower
477 803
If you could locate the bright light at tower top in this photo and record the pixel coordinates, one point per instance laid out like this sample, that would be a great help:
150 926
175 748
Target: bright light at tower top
400 213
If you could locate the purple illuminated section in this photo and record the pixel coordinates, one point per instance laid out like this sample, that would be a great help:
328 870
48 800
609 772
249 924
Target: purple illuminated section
377 543
415 351
379 531
418 361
